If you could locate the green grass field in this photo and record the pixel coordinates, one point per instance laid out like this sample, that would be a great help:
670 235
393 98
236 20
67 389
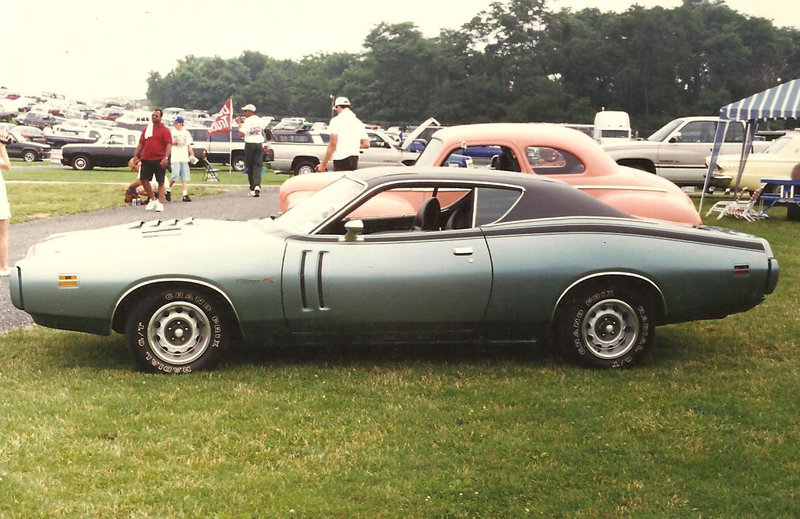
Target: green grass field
707 426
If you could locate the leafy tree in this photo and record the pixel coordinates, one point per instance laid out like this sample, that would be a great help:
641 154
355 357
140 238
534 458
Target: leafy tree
514 61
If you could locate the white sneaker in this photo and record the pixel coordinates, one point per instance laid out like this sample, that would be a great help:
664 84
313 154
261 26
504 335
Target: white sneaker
257 192
252 193
151 205
159 207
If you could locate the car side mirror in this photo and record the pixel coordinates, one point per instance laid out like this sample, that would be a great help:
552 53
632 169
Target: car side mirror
677 138
354 228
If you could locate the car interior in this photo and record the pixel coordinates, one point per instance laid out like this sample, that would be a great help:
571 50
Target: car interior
426 209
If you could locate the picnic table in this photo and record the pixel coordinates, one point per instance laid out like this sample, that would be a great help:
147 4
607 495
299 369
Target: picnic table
780 191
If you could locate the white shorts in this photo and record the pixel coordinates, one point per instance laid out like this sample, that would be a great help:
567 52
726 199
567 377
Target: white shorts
5 210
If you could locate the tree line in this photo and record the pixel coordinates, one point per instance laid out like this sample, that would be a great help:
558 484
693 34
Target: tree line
515 61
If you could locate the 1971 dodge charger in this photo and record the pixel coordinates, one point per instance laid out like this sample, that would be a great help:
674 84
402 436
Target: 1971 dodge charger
549 150
490 256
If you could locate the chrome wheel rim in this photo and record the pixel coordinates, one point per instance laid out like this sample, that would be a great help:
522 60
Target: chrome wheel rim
304 170
610 329
179 333
80 163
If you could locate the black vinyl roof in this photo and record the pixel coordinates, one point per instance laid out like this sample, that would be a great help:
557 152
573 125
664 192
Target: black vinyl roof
543 198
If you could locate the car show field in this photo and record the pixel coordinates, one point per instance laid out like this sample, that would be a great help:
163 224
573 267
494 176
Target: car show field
726 390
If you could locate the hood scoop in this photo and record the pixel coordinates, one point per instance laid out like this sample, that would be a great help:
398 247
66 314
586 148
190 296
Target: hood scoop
159 227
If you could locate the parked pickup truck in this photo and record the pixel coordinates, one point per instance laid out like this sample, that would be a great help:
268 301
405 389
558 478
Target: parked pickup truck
223 148
679 149
298 152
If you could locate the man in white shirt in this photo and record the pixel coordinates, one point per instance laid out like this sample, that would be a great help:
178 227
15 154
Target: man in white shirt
348 135
179 161
252 129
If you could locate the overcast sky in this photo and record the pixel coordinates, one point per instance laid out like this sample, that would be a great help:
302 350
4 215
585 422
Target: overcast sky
89 49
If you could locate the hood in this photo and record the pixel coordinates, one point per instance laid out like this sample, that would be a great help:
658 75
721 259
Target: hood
417 132
162 237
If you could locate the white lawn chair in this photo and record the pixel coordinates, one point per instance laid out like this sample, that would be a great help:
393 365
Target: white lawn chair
739 208
719 207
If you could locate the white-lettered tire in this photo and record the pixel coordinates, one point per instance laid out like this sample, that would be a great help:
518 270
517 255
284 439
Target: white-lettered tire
177 330
606 325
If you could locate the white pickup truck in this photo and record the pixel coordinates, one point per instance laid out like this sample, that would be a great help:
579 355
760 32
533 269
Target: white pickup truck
679 149
299 151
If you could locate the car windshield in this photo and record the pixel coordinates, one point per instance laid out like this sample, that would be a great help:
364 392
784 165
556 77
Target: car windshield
430 153
662 133
309 213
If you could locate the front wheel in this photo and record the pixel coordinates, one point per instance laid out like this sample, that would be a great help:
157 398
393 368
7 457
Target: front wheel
177 330
605 325
29 156
238 163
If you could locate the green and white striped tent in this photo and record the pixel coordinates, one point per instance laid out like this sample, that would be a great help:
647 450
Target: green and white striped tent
780 102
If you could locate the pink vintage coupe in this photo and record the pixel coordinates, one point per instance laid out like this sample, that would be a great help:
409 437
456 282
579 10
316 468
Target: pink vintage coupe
537 148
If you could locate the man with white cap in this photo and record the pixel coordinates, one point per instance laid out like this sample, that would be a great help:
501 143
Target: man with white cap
348 135
252 129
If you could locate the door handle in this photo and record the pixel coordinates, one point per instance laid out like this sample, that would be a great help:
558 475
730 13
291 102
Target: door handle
462 251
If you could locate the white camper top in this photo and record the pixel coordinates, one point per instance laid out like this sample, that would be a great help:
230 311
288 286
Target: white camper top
612 125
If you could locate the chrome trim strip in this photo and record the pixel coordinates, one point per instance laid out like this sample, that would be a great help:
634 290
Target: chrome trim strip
176 280
621 188
605 274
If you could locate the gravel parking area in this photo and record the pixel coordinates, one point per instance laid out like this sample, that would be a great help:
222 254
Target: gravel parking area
233 205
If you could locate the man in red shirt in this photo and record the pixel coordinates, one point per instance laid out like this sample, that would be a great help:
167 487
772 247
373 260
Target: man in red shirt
153 151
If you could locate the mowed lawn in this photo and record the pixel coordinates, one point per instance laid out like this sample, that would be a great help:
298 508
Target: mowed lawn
38 190
707 426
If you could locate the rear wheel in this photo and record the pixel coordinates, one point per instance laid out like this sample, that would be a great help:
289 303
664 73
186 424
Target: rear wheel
605 324
304 167
793 212
81 163
177 330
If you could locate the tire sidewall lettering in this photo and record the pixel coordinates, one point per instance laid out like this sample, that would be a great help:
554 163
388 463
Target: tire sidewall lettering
143 349
574 321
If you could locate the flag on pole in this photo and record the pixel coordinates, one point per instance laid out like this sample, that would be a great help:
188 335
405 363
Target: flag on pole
223 118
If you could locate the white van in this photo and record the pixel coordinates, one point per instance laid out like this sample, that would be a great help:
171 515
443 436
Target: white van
612 126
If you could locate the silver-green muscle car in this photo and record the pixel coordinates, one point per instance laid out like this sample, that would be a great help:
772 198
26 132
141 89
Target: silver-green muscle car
443 255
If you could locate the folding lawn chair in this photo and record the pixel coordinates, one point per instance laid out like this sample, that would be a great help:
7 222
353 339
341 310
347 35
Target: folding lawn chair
210 174
742 208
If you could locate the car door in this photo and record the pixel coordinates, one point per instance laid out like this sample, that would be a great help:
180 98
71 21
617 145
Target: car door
398 283
682 158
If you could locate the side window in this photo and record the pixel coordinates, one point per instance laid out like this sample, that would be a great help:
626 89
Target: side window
409 209
375 141
735 133
698 131
492 203
550 161
483 156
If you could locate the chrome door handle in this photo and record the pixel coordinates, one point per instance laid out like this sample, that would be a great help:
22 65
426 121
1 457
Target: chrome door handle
462 251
